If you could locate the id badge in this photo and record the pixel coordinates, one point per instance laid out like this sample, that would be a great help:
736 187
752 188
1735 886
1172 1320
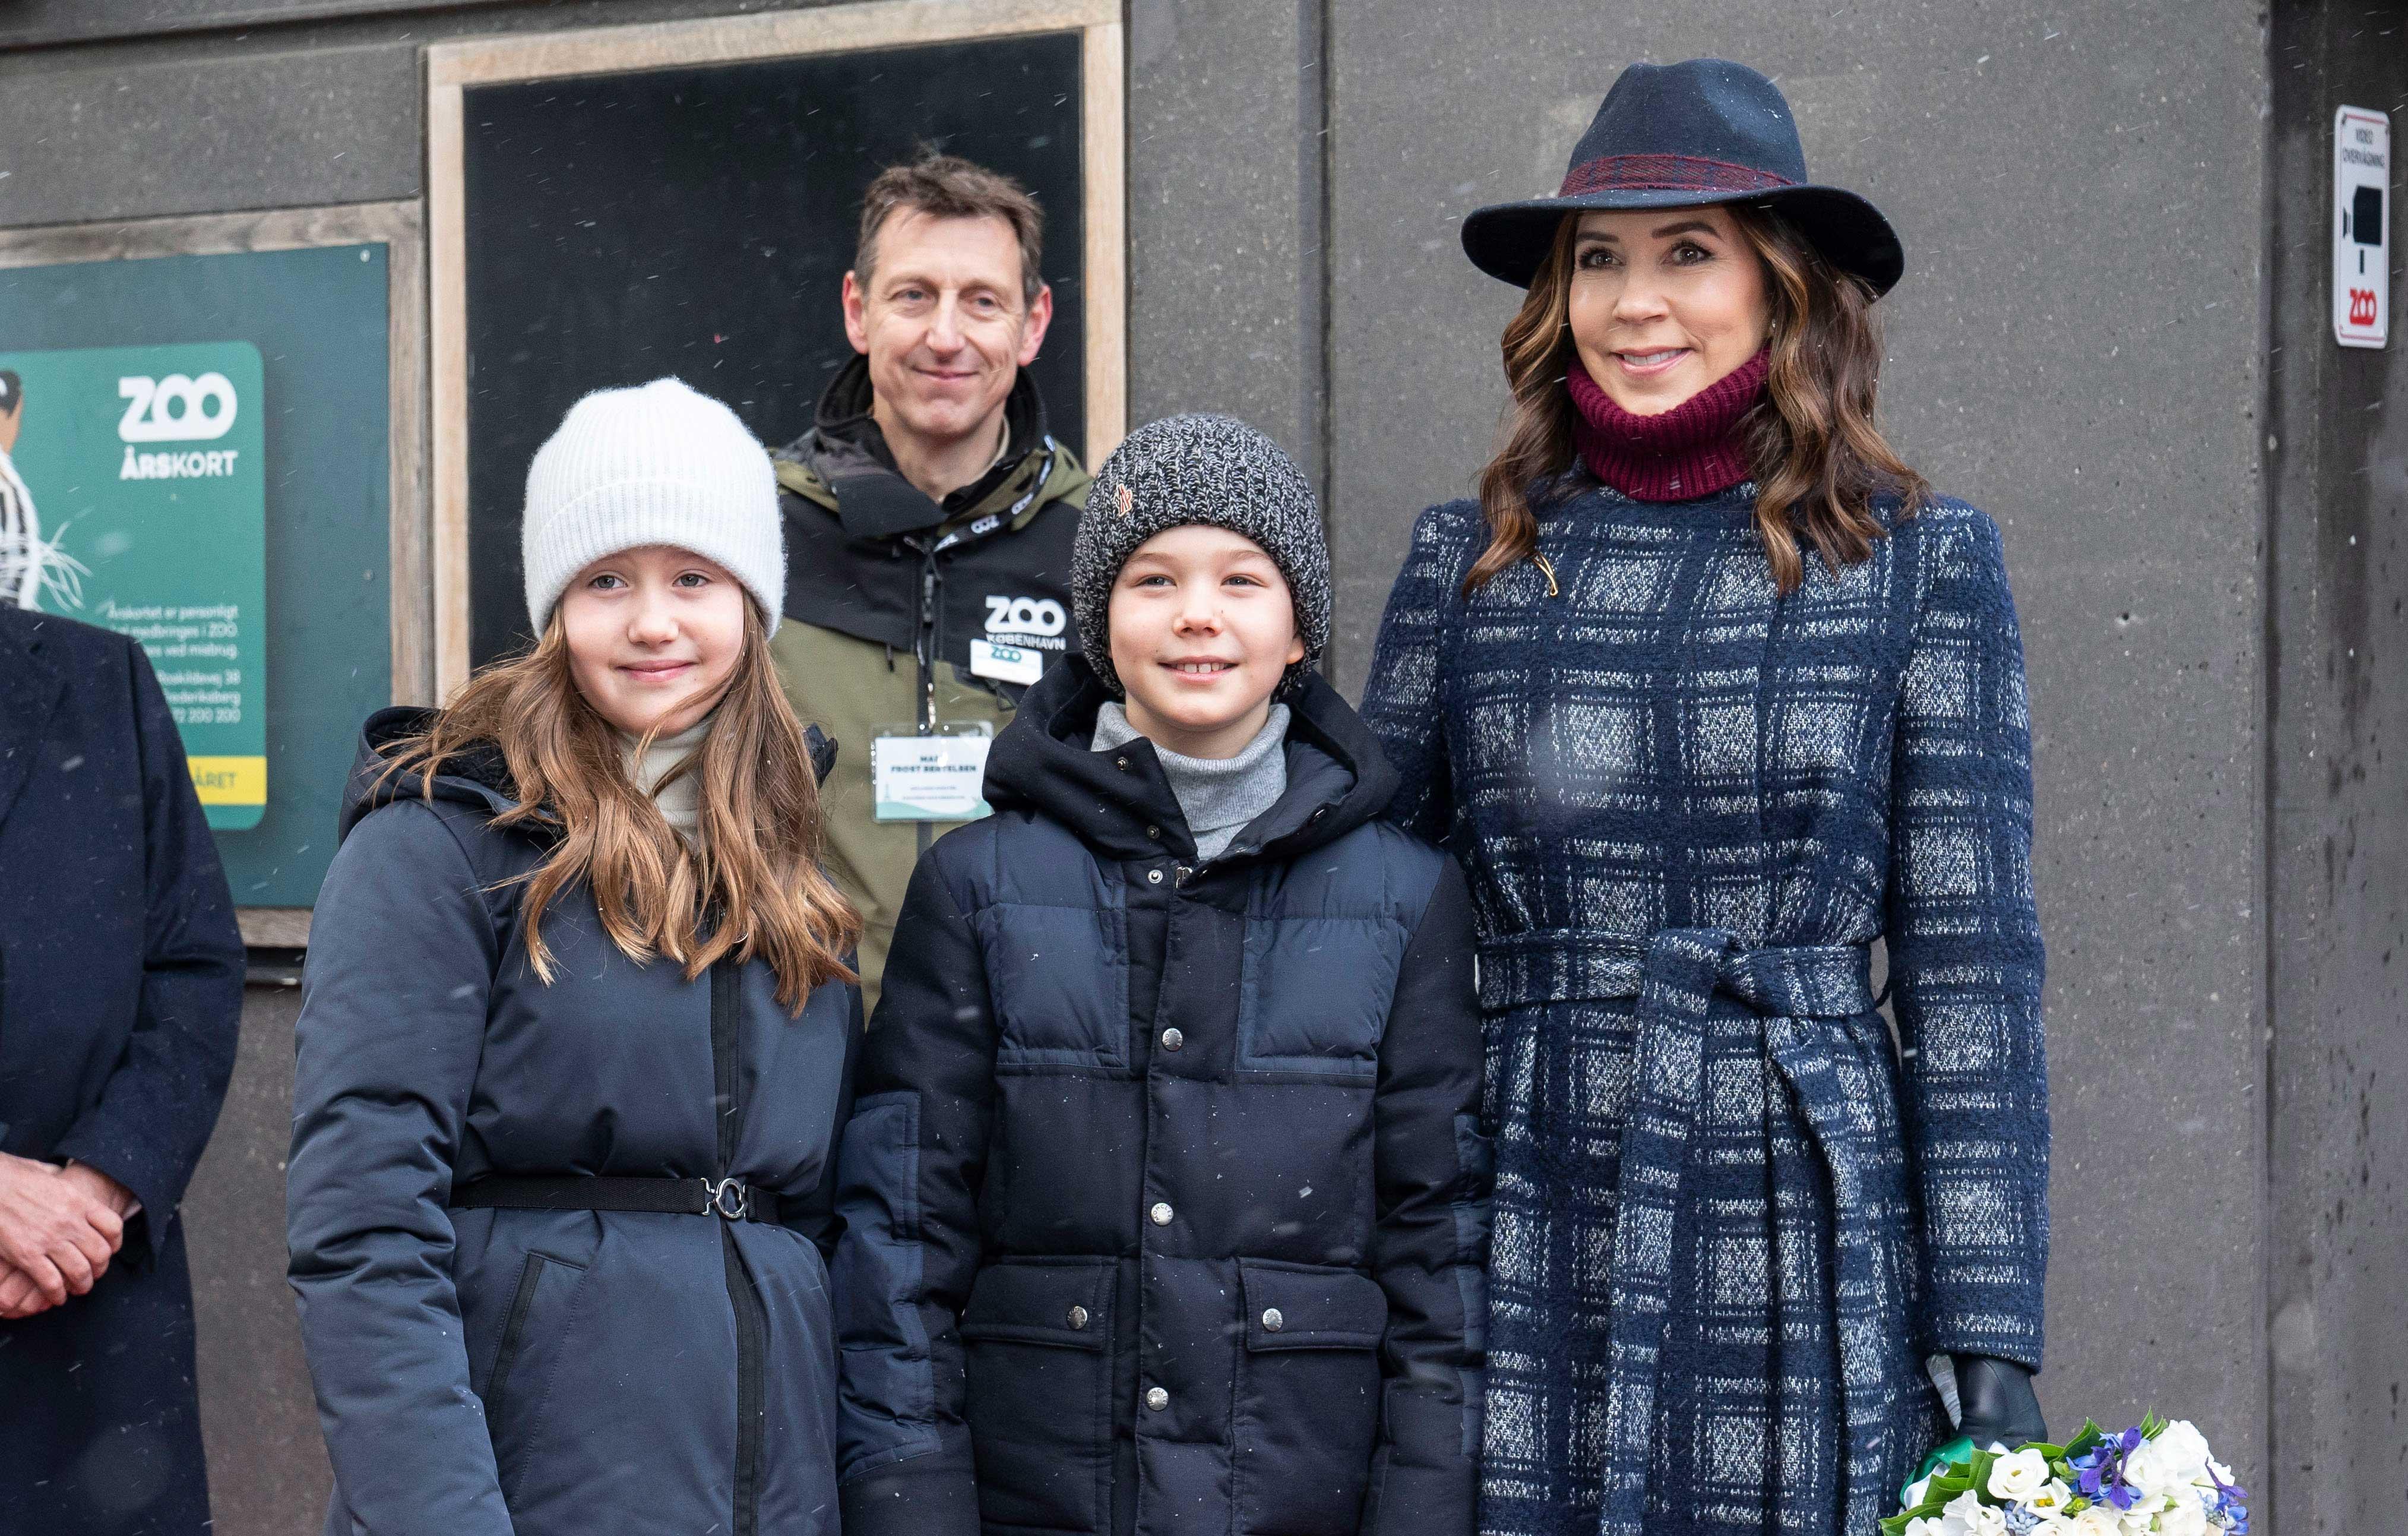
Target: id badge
1006 662
930 778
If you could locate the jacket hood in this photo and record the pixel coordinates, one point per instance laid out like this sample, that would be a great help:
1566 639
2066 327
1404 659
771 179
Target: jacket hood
477 777
1044 761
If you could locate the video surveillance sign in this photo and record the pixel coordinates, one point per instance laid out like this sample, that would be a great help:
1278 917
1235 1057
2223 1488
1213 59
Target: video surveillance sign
2361 285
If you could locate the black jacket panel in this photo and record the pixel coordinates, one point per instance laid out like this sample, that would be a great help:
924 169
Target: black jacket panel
1165 1198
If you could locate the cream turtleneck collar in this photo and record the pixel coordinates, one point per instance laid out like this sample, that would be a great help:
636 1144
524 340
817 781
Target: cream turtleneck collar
679 803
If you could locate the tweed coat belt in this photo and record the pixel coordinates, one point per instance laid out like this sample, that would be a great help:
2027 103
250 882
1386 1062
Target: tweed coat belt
1796 996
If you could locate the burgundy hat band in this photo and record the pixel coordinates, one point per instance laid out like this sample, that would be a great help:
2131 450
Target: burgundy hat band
1667 173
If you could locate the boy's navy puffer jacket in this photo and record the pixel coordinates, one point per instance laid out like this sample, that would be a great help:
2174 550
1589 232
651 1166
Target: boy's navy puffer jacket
486 1371
1166 1198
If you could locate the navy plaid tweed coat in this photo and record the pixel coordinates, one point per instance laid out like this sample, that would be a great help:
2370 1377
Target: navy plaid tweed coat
1732 1216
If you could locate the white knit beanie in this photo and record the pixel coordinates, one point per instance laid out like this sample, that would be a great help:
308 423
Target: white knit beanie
658 463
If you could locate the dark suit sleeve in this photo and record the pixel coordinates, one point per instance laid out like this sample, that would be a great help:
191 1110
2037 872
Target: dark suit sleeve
914 1157
156 1112
1430 1241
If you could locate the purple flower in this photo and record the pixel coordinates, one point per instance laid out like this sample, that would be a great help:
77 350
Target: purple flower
2100 1471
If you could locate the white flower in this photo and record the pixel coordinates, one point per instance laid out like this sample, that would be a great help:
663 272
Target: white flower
2171 1462
2188 1517
2157 1468
2050 1499
2018 1475
2051 1525
1974 1517
1926 1525
2223 1474
2098 1520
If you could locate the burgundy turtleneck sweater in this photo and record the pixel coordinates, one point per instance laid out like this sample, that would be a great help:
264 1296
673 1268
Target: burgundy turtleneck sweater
1693 449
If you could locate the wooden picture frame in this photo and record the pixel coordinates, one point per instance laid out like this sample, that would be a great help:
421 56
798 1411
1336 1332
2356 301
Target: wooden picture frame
399 227
453 67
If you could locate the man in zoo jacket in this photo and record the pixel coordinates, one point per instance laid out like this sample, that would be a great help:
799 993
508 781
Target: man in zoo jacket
928 515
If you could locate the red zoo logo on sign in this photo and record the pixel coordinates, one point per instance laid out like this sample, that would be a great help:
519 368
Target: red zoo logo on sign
2361 306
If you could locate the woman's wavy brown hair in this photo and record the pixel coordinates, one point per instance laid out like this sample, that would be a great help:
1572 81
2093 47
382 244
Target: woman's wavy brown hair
751 884
1815 455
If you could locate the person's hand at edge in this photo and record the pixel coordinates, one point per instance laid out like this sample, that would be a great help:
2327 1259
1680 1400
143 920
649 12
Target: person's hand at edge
19 1297
55 1230
1998 1403
107 1191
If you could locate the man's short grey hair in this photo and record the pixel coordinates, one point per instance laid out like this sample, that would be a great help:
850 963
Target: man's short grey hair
946 186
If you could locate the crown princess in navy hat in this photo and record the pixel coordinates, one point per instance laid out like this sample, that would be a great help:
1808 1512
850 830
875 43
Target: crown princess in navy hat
1708 691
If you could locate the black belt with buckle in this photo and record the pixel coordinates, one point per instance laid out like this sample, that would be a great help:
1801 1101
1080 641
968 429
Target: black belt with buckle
731 1199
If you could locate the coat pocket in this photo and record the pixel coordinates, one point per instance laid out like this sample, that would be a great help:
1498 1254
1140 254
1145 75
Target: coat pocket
514 1394
1036 1337
1307 1401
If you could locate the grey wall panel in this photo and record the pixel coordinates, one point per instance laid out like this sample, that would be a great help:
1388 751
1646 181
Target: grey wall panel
110 134
268 1465
37 22
2339 1173
1223 214
2099 403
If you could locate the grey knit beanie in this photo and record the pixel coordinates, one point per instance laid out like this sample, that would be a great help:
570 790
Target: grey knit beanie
1198 468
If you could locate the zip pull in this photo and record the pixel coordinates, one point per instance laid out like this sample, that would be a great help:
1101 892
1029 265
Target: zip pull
928 643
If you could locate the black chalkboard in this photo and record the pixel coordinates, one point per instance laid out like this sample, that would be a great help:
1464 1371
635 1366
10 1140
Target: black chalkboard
699 222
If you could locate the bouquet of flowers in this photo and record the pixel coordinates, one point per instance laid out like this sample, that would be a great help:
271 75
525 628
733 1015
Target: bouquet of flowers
2154 1479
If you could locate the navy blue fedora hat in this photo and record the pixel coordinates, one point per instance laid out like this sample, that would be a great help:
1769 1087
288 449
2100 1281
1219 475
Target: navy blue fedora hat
1678 135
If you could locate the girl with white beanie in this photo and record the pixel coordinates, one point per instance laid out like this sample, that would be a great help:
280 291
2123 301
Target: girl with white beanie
576 1036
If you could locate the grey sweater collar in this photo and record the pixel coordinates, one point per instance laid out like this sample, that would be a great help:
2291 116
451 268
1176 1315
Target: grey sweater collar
1218 796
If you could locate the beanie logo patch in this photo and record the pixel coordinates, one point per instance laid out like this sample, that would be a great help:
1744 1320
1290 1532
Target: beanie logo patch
1125 500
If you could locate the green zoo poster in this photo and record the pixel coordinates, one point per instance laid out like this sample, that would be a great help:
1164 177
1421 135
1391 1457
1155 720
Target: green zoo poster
289 641
146 472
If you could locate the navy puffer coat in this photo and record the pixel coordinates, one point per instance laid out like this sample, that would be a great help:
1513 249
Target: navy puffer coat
1166 1198
484 1372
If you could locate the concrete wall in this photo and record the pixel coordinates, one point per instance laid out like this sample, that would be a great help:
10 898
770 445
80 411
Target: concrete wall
2336 442
2078 346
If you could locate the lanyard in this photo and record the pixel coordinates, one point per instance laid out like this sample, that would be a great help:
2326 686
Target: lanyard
994 523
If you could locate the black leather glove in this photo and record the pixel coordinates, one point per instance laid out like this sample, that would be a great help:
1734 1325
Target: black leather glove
1998 1401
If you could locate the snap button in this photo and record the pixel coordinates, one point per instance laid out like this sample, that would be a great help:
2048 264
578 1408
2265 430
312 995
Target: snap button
1153 877
1121 762
1272 1321
1154 832
1078 1317
1160 1214
1173 1040
1157 1398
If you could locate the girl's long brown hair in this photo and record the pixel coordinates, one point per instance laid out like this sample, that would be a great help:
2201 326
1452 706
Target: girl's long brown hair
750 886
1816 457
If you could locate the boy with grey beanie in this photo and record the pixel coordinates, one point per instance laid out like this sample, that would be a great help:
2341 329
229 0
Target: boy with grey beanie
1166 1199
1211 472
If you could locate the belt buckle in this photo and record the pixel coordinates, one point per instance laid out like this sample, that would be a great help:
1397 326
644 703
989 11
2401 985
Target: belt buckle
717 1195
